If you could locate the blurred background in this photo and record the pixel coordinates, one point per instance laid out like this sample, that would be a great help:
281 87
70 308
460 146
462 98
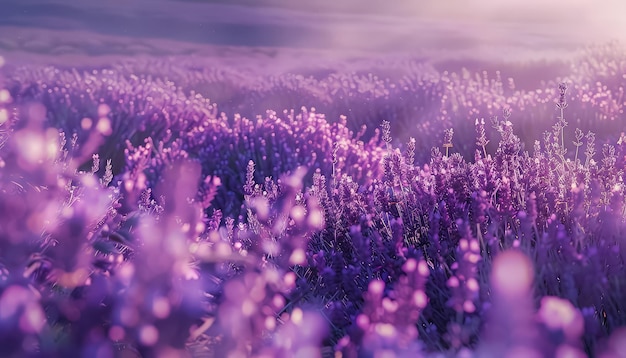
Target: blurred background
485 30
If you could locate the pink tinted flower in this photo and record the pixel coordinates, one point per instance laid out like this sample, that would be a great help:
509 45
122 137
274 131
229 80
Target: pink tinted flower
560 314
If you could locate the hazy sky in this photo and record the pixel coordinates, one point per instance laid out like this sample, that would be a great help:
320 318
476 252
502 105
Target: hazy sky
489 27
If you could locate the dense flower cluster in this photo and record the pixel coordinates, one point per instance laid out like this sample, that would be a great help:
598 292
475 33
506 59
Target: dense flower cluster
137 219
150 123
413 95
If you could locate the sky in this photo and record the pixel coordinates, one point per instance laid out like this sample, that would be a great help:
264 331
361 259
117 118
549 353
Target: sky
472 28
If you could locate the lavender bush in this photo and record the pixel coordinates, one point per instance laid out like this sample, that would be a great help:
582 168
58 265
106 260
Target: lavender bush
137 219
416 98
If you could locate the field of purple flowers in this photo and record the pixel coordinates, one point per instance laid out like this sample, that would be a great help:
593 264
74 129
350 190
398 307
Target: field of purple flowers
171 210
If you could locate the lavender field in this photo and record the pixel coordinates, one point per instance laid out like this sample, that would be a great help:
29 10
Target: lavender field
320 180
